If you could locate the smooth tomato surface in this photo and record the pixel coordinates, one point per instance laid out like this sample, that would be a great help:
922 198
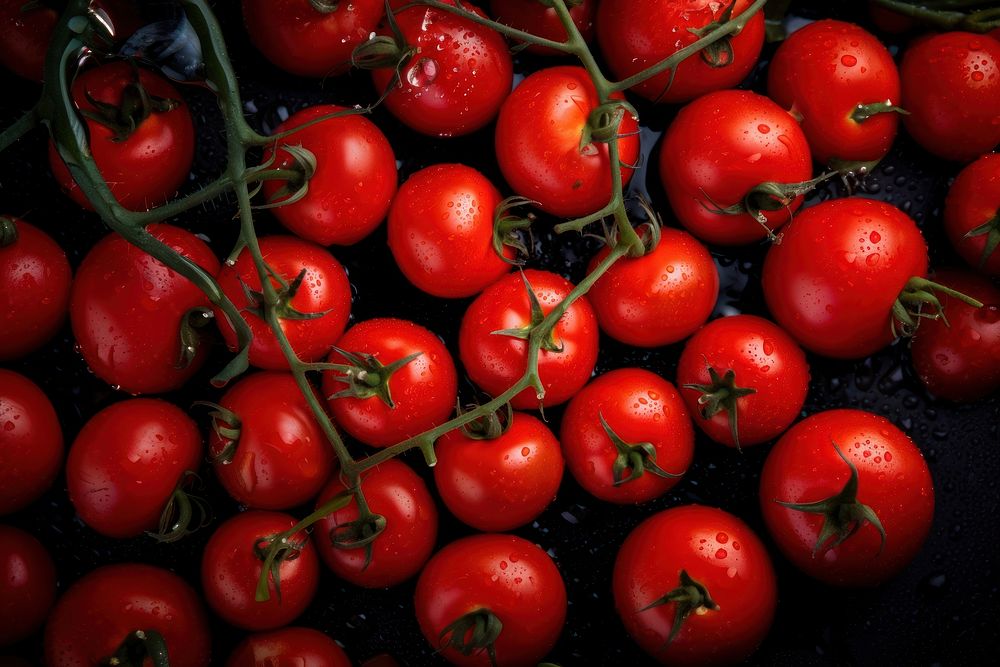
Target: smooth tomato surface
532 16
27 584
301 647
31 442
974 200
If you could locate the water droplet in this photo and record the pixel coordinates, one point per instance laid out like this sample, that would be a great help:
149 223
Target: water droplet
847 60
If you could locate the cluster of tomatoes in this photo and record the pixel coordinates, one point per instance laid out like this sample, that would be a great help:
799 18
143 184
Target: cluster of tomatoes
846 496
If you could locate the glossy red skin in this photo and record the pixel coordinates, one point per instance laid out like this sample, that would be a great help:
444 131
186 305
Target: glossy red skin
538 143
354 181
31 442
720 552
92 618
127 309
822 72
282 459
35 299
424 390
974 198
27 584
296 37
832 280
126 462
951 87
506 574
961 362
230 570
637 34
397 493
501 484
893 480
496 362
325 288
441 231
453 103
302 647
659 298
148 167
720 147
533 17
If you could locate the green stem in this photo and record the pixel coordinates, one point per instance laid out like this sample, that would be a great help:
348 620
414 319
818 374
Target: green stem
21 127
949 15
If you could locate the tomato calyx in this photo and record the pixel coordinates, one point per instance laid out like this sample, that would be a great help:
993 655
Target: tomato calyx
534 328
325 6
8 231
863 112
918 293
359 533
991 228
638 458
366 376
489 426
473 632
138 647
297 176
719 53
506 228
603 124
226 424
273 550
282 304
192 323
137 104
690 597
382 51
720 394
183 514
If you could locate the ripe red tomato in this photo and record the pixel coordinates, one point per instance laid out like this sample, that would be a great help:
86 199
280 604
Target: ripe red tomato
627 436
495 362
303 647
144 150
458 78
502 578
323 289
534 17
718 149
951 87
91 619
637 34
128 311
501 483
280 457
704 570
391 402
538 143
231 566
743 375
441 231
659 298
973 207
353 183
397 494
840 543
311 37
31 442
27 584
36 279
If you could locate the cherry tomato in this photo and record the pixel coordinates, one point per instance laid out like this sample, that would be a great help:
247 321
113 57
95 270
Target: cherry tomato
441 231
495 362
839 542
392 402
128 312
31 442
718 149
302 647
973 206
398 495
538 143
353 182
722 580
533 17
323 289
501 576
27 584
889 21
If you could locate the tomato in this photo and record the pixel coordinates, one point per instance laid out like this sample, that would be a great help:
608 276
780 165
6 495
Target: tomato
310 37
832 281
353 182
36 279
231 566
323 289
143 146
278 456
500 577
533 17
889 21
398 495
128 312
31 442
720 580
303 647
637 34
538 143
495 362
391 402
823 73
951 87
498 484
854 539
441 231
107 606
717 151
27 584
972 214
659 298
959 360
458 78
745 378
627 436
